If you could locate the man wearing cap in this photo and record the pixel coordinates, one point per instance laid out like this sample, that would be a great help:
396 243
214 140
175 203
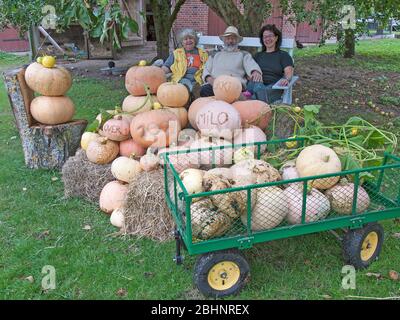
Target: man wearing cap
230 61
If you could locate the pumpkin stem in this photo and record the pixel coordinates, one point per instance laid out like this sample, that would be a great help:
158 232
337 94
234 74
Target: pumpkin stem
118 117
103 140
326 158
343 181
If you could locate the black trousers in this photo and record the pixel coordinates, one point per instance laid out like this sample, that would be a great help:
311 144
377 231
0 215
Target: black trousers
206 90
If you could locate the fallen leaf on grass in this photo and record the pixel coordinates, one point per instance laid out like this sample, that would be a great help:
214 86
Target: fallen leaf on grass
43 234
327 296
24 189
30 279
54 178
394 275
87 227
396 235
122 292
376 275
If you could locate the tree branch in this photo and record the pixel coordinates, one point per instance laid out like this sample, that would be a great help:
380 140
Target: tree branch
174 14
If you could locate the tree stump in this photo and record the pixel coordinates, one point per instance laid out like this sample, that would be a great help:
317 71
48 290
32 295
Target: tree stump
44 146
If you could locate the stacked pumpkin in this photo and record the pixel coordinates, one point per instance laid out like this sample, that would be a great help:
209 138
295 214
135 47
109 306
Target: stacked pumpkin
52 82
127 137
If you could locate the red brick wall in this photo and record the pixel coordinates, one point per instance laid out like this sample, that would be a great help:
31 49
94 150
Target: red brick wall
193 14
11 42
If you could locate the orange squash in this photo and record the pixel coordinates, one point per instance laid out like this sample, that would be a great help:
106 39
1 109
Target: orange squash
117 129
195 107
182 115
157 128
129 147
102 150
113 196
52 110
218 119
227 88
137 78
174 95
254 112
52 82
135 105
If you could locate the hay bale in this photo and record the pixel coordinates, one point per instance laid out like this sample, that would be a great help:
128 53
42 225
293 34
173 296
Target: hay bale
85 179
146 212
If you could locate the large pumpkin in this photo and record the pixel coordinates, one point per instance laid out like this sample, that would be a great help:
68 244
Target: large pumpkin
113 196
135 105
218 119
195 107
102 150
318 160
117 129
155 128
52 110
138 77
182 115
174 95
50 82
227 88
254 112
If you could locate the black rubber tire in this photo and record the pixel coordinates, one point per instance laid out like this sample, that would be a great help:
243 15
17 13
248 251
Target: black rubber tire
206 261
352 245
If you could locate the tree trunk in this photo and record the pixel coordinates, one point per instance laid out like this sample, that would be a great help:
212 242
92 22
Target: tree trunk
163 21
349 43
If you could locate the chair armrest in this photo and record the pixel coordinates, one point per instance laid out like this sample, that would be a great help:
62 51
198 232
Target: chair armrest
290 84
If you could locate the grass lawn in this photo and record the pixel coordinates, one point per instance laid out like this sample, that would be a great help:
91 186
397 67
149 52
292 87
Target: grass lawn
38 227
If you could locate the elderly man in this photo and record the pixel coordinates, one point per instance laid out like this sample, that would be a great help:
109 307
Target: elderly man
230 61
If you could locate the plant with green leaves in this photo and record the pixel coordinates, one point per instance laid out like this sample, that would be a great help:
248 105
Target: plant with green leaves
102 19
358 143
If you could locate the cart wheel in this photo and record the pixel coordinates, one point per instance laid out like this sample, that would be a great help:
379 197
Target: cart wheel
362 246
221 273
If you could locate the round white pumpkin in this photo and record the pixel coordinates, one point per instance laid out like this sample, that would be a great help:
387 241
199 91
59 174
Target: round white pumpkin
125 169
318 160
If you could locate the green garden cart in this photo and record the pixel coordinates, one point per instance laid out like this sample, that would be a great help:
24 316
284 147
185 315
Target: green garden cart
219 237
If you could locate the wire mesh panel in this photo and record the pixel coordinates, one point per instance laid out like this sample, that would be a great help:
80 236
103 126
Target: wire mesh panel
250 197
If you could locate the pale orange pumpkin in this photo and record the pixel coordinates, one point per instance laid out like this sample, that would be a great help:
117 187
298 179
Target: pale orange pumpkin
218 119
138 77
113 196
227 88
52 82
129 147
155 128
52 110
135 105
254 112
182 115
117 129
195 107
102 150
174 95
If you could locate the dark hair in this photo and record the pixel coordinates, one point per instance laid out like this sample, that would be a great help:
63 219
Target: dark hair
276 32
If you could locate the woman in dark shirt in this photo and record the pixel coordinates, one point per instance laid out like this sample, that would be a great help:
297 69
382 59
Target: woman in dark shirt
275 64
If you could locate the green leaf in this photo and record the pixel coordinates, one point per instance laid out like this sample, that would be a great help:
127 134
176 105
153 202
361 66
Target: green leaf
93 127
133 25
376 140
314 108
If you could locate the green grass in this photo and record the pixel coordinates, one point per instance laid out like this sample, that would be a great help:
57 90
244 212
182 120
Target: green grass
39 227
372 55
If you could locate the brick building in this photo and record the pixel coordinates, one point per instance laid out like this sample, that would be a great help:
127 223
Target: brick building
194 14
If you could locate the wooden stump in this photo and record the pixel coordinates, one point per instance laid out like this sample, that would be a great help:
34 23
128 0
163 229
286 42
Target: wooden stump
44 146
